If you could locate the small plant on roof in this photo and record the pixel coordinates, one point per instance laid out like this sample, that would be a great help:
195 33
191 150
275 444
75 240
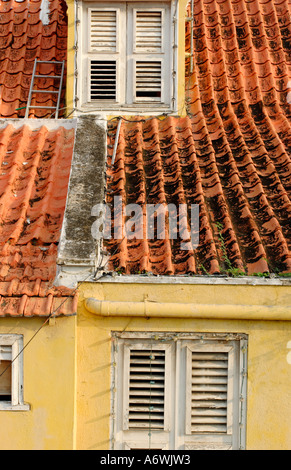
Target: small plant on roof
228 269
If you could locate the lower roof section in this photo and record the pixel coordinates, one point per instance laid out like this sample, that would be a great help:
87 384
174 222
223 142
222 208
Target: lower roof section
35 164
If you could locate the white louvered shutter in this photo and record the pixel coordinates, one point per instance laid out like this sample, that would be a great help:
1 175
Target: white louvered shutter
146 379
209 391
148 48
146 389
103 80
212 393
148 80
149 54
105 54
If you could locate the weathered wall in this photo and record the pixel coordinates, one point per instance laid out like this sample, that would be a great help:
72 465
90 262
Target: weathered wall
49 387
269 373
78 250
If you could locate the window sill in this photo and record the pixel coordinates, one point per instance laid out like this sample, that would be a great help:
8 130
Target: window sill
7 406
137 109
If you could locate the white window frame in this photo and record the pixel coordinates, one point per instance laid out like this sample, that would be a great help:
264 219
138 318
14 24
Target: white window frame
176 435
126 57
16 344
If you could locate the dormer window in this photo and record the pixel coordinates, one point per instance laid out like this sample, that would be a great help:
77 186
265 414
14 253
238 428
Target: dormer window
126 58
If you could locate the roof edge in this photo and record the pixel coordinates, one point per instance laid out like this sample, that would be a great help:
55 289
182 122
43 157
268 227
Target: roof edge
198 280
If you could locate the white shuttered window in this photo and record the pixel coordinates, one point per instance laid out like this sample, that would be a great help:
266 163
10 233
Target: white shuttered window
11 373
181 393
129 55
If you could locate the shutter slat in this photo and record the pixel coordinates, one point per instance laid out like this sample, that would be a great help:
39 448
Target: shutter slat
208 412
147 368
208 420
211 379
208 428
209 364
210 404
141 401
145 408
145 425
208 356
215 371
209 392
146 389
206 395
158 392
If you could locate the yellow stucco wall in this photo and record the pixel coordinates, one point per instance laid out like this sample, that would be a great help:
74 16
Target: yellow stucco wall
68 365
49 387
269 366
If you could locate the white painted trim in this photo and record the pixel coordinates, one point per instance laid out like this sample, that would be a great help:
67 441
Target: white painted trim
7 406
197 280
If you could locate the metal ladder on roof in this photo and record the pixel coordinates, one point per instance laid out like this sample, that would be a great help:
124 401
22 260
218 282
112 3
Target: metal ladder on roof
58 92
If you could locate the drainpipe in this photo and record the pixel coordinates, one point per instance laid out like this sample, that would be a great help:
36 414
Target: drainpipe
191 36
151 309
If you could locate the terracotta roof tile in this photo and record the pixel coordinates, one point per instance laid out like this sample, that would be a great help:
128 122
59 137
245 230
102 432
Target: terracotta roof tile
230 155
24 37
35 161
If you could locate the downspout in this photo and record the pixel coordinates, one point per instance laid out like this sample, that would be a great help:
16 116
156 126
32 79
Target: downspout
77 21
191 37
151 309
175 51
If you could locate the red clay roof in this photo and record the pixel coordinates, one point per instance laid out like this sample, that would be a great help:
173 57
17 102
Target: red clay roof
230 155
24 37
35 162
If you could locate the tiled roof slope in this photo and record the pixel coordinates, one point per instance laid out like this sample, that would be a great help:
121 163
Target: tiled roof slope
26 33
230 155
35 161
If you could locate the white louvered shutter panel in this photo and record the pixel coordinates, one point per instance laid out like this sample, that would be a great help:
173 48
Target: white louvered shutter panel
104 53
148 41
103 30
212 389
146 393
148 31
147 54
209 392
103 79
148 80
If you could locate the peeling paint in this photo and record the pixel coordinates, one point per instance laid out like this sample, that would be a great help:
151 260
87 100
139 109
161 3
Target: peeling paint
44 12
